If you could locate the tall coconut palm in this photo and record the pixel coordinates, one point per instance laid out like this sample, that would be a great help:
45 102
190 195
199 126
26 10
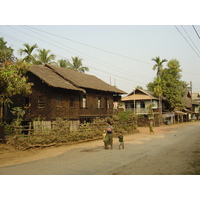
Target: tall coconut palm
28 51
158 88
77 65
44 58
158 65
63 63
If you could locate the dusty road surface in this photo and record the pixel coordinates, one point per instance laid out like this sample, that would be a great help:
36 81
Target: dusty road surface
169 151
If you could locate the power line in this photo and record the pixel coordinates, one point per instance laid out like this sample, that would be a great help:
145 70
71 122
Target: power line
186 40
196 31
114 67
127 73
122 71
92 46
126 79
190 39
43 41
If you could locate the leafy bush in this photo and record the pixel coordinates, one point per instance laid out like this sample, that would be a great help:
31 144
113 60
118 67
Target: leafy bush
59 131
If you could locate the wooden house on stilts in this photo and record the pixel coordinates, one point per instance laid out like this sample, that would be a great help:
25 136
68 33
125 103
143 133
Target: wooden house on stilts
62 93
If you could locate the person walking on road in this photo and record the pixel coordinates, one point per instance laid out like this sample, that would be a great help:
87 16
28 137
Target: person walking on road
151 126
109 136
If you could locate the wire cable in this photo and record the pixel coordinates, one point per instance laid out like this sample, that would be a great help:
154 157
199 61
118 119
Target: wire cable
108 64
114 67
190 39
196 31
186 40
92 46
125 79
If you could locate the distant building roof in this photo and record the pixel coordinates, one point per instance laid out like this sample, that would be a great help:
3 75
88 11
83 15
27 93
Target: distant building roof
196 98
140 94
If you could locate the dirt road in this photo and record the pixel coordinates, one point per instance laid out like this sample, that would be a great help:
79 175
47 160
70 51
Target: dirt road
170 150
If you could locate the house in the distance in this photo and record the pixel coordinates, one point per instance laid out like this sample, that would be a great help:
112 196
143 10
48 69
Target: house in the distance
195 105
62 93
139 100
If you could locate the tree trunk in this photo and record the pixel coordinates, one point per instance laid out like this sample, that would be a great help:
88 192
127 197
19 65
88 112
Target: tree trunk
160 110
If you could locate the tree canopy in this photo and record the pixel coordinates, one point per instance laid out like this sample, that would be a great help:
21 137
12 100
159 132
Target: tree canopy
77 65
43 57
6 54
63 63
28 50
12 74
12 70
169 85
158 65
173 87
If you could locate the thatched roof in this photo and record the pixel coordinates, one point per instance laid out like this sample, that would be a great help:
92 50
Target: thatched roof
51 78
68 79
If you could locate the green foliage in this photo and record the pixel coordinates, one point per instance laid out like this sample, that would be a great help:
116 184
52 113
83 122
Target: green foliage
63 63
13 81
77 65
43 57
6 54
125 122
158 86
173 88
158 65
168 83
150 107
150 86
12 74
59 132
18 112
29 58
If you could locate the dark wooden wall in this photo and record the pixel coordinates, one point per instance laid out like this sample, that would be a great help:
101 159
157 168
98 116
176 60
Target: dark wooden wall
92 109
48 103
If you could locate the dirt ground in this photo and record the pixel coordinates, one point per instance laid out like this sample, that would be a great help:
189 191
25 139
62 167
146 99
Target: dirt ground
10 156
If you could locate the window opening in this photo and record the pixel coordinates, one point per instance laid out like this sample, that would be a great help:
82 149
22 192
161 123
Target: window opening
84 102
99 102
142 104
41 102
26 102
108 103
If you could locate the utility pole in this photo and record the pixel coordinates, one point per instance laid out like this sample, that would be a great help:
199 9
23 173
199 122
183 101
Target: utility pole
191 93
134 103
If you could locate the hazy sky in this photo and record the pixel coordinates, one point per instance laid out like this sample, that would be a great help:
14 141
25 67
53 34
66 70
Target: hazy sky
120 54
115 40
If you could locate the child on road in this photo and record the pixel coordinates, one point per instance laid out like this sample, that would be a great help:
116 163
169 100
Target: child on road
121 141
104 139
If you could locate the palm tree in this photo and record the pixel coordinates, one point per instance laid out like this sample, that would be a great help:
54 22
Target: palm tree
43 57
158 80
63 63
158 91
77 65
158 65
28 51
